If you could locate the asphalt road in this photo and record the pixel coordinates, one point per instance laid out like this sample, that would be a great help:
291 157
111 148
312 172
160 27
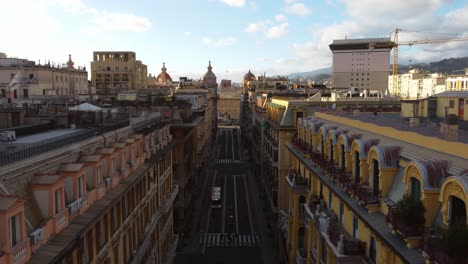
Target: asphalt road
229 234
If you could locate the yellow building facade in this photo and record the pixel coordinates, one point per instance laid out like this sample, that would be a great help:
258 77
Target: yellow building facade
346 180
114 71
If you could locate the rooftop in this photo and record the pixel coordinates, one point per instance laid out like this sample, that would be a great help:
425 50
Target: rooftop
393 120
452 94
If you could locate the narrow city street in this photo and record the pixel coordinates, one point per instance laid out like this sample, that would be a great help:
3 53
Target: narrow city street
231 229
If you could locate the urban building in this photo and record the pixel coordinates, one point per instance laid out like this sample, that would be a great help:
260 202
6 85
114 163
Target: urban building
89 194
457 82
114 71
448 104
352 181
361 63
417 84
229 102
25 82
194 129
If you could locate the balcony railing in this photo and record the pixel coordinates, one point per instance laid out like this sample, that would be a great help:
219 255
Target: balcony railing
366 195
301 145
404 230
301 256
19 252
431 249
295 179
327 224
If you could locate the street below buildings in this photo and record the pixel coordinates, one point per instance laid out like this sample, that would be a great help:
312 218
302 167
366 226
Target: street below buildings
231 229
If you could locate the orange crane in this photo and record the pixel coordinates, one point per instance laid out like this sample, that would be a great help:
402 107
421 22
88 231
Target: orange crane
396 43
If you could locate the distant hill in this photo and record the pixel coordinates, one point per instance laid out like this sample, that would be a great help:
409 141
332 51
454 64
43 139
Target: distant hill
310 74
452 65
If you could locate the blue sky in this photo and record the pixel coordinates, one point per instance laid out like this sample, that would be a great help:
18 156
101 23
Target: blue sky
272 36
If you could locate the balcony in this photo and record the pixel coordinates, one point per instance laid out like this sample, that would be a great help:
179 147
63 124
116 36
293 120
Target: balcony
432 251
295 180
301 256
61 220
400 227
301 145
170 200
20 252
343 245
366 195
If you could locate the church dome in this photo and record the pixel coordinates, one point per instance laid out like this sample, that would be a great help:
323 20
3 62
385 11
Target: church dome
164 77
249 77
209 74
209 78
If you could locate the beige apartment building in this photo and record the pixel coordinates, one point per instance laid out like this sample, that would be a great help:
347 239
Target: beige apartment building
114 71
361 63
26 82
88 198
417 84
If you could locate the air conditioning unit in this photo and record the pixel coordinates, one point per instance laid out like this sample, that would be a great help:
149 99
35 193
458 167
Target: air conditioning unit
75 206
132 163
37 236
123 171
108 181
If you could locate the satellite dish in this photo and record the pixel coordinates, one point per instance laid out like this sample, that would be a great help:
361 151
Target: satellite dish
334 106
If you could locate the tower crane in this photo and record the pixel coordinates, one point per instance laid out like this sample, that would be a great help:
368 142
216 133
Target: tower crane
396 43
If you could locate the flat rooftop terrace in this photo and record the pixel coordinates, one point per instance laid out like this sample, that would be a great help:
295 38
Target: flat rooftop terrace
394 120
39 137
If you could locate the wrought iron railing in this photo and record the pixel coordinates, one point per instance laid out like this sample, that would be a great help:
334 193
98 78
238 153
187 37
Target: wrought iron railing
403 229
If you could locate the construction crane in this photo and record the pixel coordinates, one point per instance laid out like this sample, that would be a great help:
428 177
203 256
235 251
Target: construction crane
396 43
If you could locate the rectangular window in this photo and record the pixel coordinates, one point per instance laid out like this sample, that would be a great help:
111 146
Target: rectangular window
98 175
58 201
321 189
80 187
14 230
452 104
330 196
102 233
323 259
373 250
355 228
25 93
4 94
31 76
341 213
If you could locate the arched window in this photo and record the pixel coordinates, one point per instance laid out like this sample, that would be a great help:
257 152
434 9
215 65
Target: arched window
415 188
342 158
457 213
375 176
357 167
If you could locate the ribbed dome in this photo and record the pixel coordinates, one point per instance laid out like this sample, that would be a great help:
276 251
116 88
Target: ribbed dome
209 78
249 76
164 76
209 74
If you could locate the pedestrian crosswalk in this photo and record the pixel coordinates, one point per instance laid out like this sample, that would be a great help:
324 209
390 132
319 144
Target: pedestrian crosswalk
224 161
226 240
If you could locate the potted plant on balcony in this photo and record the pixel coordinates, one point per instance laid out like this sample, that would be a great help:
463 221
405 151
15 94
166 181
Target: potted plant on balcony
408 219
452 242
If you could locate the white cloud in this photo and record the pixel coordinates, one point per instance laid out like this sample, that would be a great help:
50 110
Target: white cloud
222 42
277 31
270 29
298 9
255 27
121 22
72 6
280 18
233 3
289 1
